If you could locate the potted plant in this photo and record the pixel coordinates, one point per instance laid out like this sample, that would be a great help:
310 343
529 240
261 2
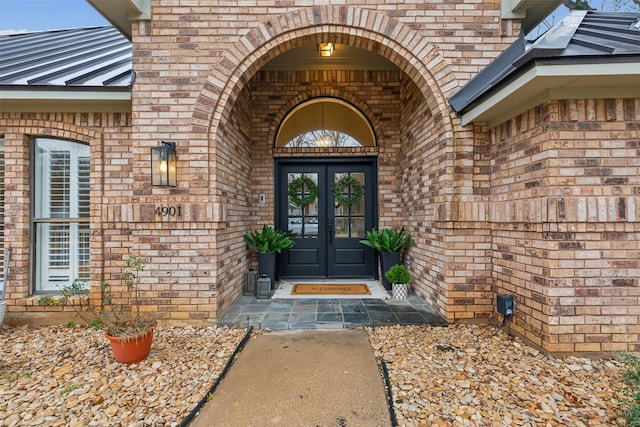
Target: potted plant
389 242
129 331
399 277
268 242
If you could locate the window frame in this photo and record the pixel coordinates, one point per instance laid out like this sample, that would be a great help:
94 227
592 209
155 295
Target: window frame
38 200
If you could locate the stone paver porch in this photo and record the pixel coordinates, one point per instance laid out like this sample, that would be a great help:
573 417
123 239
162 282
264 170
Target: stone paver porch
329 313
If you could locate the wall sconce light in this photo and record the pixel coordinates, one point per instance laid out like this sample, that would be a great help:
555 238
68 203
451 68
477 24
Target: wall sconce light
163 165
325 49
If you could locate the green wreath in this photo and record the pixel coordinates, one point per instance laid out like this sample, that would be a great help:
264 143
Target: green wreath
351 199
295 188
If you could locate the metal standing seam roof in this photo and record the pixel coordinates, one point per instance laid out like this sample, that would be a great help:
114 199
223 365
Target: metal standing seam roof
581 37
79 58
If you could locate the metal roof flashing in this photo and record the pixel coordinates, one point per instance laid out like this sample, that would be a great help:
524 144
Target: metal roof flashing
584 41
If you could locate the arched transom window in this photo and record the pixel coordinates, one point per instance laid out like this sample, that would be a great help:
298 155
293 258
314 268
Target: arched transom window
325 122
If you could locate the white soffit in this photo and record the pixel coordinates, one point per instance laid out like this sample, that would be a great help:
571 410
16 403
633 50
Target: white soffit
64 101
120 13
560 81
532 12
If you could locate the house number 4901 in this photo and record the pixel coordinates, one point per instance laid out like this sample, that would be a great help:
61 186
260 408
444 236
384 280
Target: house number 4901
169 210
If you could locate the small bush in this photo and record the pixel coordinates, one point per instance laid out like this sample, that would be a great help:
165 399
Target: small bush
49 301
398 274
95 324
632 413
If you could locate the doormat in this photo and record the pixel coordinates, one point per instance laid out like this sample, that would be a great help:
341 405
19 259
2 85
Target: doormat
330 289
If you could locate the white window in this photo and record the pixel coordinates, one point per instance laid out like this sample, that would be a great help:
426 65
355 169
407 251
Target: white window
61 211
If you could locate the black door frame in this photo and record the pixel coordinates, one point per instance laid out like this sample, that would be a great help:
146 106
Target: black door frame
371 161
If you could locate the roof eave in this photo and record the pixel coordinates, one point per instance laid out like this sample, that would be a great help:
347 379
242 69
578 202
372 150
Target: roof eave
21 99
543 81
120 13
532 12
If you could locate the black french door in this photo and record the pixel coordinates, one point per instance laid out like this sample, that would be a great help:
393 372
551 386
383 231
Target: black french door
327 228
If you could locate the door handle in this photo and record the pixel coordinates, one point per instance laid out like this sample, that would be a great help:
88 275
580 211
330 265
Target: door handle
330 230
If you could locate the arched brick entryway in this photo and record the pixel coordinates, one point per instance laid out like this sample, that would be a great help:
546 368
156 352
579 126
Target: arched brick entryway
225 97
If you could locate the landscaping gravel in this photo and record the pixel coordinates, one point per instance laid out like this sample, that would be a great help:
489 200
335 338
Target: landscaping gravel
460 375
479 376
61 376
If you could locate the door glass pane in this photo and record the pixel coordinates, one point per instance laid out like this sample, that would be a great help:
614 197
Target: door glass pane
302 191
349 208
357 227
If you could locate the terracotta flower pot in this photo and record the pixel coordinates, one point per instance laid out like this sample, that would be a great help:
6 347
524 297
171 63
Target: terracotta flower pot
131 350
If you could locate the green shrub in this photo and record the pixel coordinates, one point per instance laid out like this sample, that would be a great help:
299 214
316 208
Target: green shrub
398 274
632 376
268 240
387 239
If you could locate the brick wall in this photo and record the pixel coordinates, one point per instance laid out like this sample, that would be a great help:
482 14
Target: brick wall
564 210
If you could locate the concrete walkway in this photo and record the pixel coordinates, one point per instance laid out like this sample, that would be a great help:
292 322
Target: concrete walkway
301 378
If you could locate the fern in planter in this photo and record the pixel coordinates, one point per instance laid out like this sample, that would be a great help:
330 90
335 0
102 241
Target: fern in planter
388 242
387 239
268 240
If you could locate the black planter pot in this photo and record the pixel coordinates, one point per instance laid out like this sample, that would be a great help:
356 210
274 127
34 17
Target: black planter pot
387 260
267 265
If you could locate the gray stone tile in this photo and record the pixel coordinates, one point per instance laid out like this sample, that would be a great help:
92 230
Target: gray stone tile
302 317
276 307
303 309
410 318
403 307
381 318
253 309
244 300
329 308
282 301
356 319
434 319
330 318
229 319
425 308
353 307
374 303
275 317
305 301
254 319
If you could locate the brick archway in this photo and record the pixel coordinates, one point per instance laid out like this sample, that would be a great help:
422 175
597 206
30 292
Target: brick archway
230 182
365 29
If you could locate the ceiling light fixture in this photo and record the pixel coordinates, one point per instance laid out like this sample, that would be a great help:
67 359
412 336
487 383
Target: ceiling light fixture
325 49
